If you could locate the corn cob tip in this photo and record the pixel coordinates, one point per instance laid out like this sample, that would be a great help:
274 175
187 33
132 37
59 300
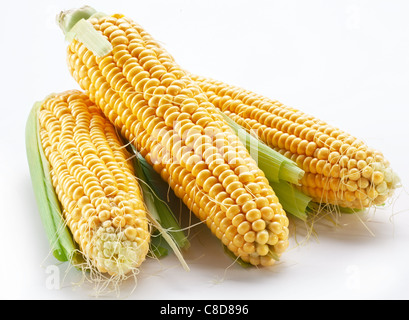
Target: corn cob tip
119 251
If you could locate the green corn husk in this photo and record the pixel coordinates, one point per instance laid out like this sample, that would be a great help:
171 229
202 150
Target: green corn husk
293 200
153 188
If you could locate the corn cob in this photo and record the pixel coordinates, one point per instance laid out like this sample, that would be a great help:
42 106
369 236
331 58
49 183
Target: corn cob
100 198
156 106
340 169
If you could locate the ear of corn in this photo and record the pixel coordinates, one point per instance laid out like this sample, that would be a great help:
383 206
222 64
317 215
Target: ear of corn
92 177
157 107
84 182
339 168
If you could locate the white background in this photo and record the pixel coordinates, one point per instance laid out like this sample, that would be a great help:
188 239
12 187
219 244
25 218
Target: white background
346 62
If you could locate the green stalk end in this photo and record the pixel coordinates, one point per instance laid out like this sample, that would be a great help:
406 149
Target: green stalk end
67 19
75 25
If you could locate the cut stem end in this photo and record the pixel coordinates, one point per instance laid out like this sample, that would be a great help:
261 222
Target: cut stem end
68 19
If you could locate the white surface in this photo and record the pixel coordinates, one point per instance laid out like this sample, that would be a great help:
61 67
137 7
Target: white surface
346 62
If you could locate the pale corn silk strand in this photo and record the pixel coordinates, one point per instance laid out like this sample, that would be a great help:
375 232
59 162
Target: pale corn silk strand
101 200
154 103
340 169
